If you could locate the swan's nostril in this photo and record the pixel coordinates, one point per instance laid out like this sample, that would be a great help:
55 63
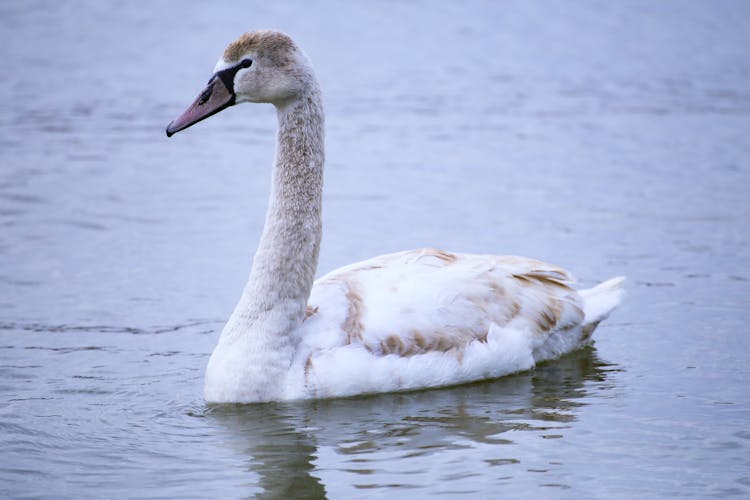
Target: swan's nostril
205 95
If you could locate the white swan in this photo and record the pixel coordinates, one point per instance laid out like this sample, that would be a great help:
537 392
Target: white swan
409 320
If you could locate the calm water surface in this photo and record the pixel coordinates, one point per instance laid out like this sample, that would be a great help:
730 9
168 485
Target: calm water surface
607 137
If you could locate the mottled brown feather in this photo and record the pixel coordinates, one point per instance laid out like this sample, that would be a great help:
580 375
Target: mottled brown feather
272 44
352 324
547 281
310 311
445 257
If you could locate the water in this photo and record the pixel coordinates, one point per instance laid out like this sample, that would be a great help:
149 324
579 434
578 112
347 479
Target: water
609 138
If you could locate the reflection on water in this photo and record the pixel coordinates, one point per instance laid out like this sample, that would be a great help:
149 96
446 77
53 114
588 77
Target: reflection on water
282 440
277 451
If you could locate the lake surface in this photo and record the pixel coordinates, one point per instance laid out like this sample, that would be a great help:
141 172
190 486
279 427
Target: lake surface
612 138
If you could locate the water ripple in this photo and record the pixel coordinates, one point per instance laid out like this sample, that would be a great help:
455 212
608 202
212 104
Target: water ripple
46 328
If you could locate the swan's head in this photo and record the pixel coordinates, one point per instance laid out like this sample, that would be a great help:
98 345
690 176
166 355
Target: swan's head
261 66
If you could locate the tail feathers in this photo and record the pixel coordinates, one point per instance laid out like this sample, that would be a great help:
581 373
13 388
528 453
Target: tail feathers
599 301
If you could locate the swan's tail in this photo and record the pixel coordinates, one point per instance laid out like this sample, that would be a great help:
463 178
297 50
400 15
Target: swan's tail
599 301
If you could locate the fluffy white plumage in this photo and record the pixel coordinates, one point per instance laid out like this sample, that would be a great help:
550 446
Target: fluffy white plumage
409 320
427 318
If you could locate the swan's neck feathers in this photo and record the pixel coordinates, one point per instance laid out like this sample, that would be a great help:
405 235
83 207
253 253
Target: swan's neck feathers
284 265
257 344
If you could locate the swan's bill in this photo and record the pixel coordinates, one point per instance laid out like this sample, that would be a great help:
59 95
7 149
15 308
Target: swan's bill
215 97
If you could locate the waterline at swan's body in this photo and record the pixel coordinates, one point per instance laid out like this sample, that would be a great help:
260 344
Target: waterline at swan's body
418 319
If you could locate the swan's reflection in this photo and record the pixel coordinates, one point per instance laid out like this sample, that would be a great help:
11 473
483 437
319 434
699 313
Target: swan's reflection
282 440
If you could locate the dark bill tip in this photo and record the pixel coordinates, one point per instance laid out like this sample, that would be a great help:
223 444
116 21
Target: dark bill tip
170 131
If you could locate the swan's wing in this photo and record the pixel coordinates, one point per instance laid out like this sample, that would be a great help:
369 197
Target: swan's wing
428 300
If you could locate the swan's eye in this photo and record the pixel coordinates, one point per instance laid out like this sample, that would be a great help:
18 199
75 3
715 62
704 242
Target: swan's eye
246 63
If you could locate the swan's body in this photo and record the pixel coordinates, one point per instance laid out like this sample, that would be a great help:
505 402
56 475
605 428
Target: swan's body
415 319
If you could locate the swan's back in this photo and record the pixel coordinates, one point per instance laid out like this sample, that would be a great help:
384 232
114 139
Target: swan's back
428 318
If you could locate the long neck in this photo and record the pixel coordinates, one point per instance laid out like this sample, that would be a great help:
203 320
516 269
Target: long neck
274 299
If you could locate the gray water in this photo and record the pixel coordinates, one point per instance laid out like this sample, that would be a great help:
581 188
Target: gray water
607 137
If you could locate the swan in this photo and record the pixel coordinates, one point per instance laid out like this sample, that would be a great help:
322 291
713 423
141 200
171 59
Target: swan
409 320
